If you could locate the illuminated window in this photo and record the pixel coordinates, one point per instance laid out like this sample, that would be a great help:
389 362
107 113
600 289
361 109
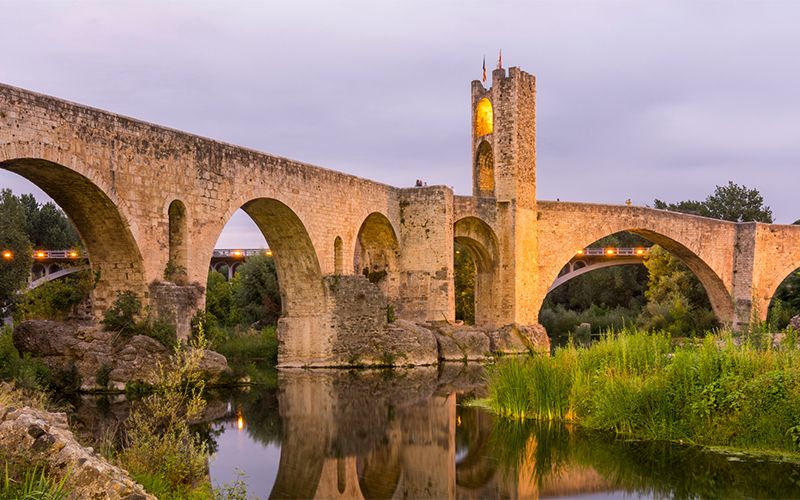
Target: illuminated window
484 118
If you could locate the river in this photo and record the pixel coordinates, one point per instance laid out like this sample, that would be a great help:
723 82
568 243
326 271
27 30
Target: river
409 434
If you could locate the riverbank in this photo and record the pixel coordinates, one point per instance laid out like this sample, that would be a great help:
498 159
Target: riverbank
741 393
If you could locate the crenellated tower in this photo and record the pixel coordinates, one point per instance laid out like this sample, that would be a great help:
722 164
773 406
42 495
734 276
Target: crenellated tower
504 182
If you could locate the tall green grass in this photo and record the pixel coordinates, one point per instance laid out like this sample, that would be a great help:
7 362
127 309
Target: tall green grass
716 391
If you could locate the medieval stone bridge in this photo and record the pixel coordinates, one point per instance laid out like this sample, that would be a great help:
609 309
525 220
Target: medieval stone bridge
150 202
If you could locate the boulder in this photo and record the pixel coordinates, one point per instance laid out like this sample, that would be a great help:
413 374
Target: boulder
90 350
795 322
138 359
519 339
31 435
407 343
458 342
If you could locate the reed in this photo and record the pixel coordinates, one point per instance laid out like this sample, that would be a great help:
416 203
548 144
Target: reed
719 390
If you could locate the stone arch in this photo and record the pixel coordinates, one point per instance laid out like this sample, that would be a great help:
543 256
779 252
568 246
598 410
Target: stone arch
338 256
296 262
106 234
302 326
178 237
484 170
484 118
718 293
376 253
762 304
481 242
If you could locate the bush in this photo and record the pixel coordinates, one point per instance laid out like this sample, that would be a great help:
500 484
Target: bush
27 372
56 300
123 314
159 447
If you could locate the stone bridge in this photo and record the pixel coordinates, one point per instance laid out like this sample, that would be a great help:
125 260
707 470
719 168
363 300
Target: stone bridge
150 203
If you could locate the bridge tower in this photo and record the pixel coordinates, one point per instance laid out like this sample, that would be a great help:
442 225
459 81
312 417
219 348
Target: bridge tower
504 185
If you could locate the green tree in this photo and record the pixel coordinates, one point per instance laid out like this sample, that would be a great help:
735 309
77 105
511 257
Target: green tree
731 202
47 225
220 307
255 291
14 267
464 281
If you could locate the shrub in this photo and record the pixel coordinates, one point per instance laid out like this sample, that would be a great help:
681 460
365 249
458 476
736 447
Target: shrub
27 372
123 313
56 300
101 378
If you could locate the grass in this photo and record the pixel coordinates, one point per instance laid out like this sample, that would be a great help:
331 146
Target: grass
714 391
29 481
251 344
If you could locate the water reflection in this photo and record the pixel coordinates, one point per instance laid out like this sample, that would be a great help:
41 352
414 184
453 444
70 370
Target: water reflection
403 434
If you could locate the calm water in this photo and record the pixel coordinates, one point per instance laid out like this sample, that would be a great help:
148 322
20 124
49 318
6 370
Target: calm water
406 434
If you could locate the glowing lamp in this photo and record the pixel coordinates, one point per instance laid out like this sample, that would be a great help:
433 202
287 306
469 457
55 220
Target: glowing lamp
237 253
269 252
73 254
240 423
40 254
609 251
639 251
580 252
8 254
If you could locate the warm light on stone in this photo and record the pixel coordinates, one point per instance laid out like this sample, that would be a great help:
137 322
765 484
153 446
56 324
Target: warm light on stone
484 118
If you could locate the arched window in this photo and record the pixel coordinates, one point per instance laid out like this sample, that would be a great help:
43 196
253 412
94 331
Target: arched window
338 265
484 167
178 240
484 118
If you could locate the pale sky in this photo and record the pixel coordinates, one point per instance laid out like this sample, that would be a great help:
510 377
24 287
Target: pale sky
636 99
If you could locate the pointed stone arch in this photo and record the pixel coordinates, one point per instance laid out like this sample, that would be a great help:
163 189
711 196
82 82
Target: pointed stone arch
376 254
481 242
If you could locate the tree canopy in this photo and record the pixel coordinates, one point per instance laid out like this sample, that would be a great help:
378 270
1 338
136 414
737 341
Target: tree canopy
15 268
731 202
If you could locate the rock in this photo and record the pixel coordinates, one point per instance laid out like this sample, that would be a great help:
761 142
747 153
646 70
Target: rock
460 342
795 322
61 345
139 359
28 434
409 344
519 339
213 365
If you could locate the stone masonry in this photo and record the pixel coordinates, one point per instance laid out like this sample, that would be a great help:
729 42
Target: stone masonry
146 199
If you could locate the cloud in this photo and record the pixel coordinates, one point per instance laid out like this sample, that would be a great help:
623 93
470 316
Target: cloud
657 99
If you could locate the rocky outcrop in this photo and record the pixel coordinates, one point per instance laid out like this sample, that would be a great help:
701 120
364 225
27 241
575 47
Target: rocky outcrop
795 322
92 352
30 435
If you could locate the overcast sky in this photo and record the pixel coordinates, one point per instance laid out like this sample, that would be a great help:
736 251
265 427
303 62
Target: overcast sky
636 99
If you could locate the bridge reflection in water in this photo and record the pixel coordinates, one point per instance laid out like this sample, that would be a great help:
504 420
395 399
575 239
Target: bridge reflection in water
405 434
375 434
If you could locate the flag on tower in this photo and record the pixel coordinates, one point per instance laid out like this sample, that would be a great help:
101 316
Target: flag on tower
500 60
484 69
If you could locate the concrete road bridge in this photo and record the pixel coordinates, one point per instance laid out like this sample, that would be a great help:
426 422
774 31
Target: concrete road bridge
146 199
49 265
